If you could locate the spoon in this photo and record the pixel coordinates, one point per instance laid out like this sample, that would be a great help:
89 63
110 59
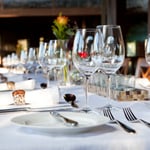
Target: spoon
70 98
43 85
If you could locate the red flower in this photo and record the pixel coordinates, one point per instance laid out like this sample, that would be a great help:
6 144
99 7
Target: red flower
83 54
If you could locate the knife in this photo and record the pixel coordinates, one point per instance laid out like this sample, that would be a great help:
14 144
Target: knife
7 110
65 120
51 108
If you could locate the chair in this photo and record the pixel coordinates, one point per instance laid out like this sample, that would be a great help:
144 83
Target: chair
141 67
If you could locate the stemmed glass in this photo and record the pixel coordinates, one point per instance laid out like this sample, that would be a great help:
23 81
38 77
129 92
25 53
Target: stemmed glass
28 61
51 57
32 64
147 50
43 60
112 51
57 60
85 55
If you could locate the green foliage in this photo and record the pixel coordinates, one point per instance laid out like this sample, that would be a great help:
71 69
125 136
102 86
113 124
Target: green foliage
61 28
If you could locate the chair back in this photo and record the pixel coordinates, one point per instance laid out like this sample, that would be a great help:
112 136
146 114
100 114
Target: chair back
141 67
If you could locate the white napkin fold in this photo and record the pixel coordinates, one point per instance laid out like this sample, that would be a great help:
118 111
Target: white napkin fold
35 98
142 83
25 85
3 70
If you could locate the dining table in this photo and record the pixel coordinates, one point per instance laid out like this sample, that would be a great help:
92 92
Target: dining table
102 136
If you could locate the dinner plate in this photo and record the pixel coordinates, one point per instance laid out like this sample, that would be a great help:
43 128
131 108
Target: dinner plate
43 121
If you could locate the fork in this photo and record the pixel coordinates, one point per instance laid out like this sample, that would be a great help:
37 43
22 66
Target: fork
132 118
107 113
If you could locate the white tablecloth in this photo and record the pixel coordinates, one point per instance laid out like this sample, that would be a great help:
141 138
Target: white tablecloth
107 137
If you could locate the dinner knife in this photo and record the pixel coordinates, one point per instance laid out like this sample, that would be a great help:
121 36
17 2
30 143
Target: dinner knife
65 120
51 108
7 110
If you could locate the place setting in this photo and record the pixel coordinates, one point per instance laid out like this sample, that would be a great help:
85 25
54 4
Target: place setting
63 118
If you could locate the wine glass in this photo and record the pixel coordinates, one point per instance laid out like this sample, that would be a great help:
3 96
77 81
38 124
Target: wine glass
32 64
43 60
52 57
112 51
147 50
57 59
85 55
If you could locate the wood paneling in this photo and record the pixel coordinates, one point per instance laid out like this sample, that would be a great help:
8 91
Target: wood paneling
20 12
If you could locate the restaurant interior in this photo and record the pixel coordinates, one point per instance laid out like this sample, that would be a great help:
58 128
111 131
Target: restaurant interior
32 20
74 74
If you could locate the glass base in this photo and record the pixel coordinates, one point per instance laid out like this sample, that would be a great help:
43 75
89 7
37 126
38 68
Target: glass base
85 109
109 106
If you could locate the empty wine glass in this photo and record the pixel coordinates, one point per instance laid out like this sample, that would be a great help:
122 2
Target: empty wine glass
32 64
58 59
85 55
43 60
52 57
112 51
147 50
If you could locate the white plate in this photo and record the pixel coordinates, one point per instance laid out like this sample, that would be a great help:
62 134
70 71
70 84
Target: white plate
43 121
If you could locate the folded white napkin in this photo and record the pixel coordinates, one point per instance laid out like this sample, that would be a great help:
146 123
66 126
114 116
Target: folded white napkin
35 98
25 85
142 83
3 70
18 70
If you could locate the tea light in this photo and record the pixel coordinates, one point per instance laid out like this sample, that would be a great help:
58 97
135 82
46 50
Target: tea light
19 97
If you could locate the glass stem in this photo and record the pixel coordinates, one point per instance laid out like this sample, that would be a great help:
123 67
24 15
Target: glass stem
109 86
86 91
48 78
59 92
59 80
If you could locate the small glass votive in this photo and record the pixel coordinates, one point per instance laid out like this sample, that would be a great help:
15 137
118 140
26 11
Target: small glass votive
19 97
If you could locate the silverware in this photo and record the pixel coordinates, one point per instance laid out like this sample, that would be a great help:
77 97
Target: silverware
132 118
108 113
70 98
7 110
64 107
65 120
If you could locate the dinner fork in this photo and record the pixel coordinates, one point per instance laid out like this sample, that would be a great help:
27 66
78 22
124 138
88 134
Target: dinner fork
131 117
107 113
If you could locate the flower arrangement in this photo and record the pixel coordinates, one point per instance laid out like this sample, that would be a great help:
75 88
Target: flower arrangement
63 32
61 28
